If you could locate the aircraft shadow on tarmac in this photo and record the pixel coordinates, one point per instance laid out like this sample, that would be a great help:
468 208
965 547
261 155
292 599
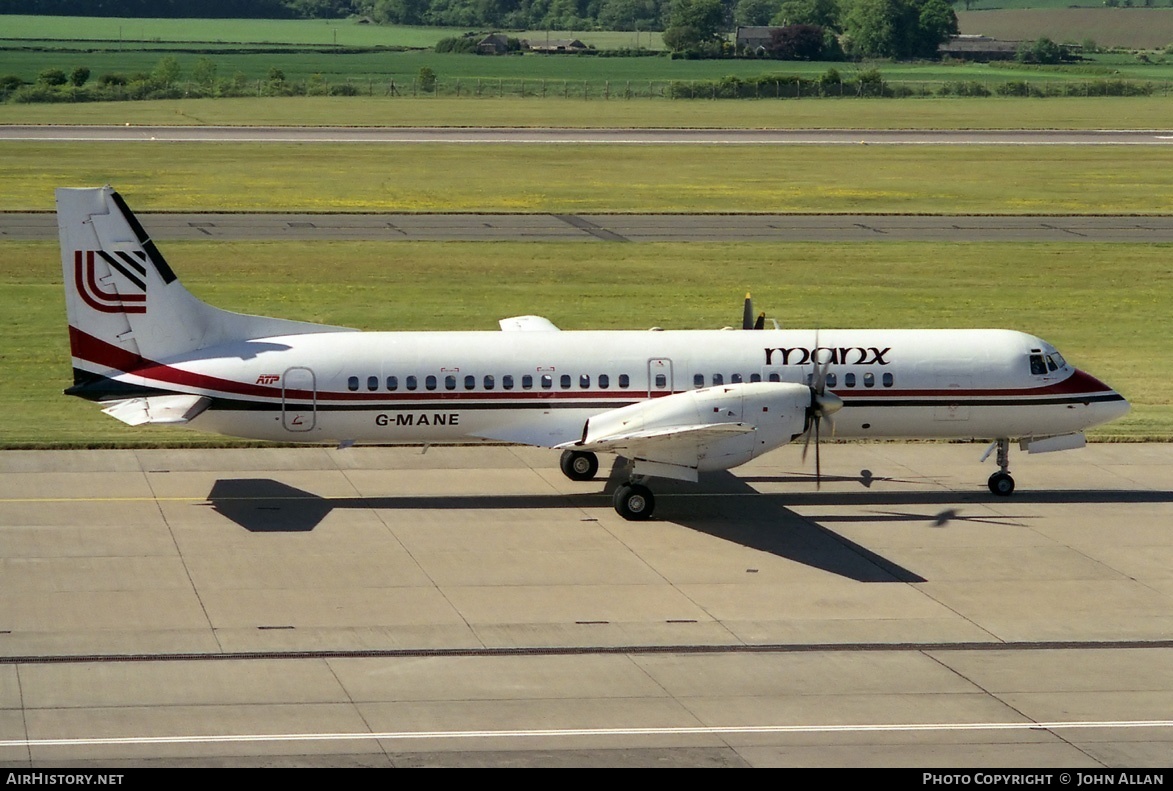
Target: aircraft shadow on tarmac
721 505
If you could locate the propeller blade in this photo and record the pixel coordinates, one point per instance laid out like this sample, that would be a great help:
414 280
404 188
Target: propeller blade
747 313
760 324
818 463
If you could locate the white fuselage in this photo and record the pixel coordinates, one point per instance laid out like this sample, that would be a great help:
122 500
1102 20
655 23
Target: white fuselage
540 387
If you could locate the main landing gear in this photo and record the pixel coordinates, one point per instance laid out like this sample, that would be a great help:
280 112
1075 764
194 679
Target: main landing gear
579 465
1001 483
633 500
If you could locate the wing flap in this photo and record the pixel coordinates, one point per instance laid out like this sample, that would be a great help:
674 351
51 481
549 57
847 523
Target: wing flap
527 324
161 410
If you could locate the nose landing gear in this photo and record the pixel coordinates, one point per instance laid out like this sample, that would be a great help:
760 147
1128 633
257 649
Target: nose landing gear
1001 483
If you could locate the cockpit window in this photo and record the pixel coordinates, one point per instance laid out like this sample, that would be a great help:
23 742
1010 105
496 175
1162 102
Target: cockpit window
1037 366
1055 361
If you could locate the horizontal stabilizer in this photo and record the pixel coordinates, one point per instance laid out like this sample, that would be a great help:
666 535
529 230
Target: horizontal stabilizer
527 324
162 409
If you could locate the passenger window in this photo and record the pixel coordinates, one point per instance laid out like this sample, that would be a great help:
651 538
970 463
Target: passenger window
775 376
718 379
604 381
527 382
564 380
755 377
392 382
735 379
372 383
584 381
888 380
507 381
849 380
661 381
624 380
832 380
430 383
698 380
547 381
488 382
449 382
869 379
412 383
470 382
352 383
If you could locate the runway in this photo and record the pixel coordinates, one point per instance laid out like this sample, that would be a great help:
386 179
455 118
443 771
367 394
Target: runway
471 606
578 136
33 226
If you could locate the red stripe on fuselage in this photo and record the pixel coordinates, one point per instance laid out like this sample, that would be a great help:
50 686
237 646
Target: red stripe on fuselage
87 348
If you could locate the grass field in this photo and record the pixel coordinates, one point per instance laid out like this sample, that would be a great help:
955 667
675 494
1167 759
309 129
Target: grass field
991 113
1105 306
371 71
592 178
341 32
1138 28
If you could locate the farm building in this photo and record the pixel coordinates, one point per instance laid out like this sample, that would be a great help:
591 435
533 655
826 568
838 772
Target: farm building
558 45
979 48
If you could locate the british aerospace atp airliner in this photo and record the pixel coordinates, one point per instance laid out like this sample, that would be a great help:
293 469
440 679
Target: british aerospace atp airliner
671 403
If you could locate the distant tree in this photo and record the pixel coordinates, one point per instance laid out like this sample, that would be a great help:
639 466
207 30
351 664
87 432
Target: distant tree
427 79
52 77
629 15
78 76
167 71
694 24
204 72
1042 50
824 13
899 28
755 12
796 42
399 12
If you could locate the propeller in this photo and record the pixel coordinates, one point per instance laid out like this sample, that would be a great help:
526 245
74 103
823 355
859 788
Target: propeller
747 319
822 406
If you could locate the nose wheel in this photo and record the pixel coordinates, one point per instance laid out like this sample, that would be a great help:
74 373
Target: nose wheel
1000 483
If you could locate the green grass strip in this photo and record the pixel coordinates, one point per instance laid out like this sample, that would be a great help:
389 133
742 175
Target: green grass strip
1104 305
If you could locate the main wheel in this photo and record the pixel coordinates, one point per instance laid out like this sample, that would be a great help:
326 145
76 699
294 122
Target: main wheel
1001 484
579 465
634 503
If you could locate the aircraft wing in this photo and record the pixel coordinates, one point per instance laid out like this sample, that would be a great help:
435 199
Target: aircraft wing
164 409
667 440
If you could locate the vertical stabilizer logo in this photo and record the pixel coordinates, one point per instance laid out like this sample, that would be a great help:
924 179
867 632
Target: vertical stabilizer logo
130 265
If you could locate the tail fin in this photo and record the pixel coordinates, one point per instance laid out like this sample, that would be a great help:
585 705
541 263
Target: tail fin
125 304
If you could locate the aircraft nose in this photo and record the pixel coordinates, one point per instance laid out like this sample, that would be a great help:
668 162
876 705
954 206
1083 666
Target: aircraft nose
1108 404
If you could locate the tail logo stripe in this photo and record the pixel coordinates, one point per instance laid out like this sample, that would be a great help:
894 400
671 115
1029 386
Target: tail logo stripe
115 264
93 295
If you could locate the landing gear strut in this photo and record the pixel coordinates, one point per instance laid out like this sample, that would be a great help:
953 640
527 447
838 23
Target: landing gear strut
579 465
1001 483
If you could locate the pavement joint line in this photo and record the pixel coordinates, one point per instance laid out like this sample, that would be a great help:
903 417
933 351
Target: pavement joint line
700 730
596 650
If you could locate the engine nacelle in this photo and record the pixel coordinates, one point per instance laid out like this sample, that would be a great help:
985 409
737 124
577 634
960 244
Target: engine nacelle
715 428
